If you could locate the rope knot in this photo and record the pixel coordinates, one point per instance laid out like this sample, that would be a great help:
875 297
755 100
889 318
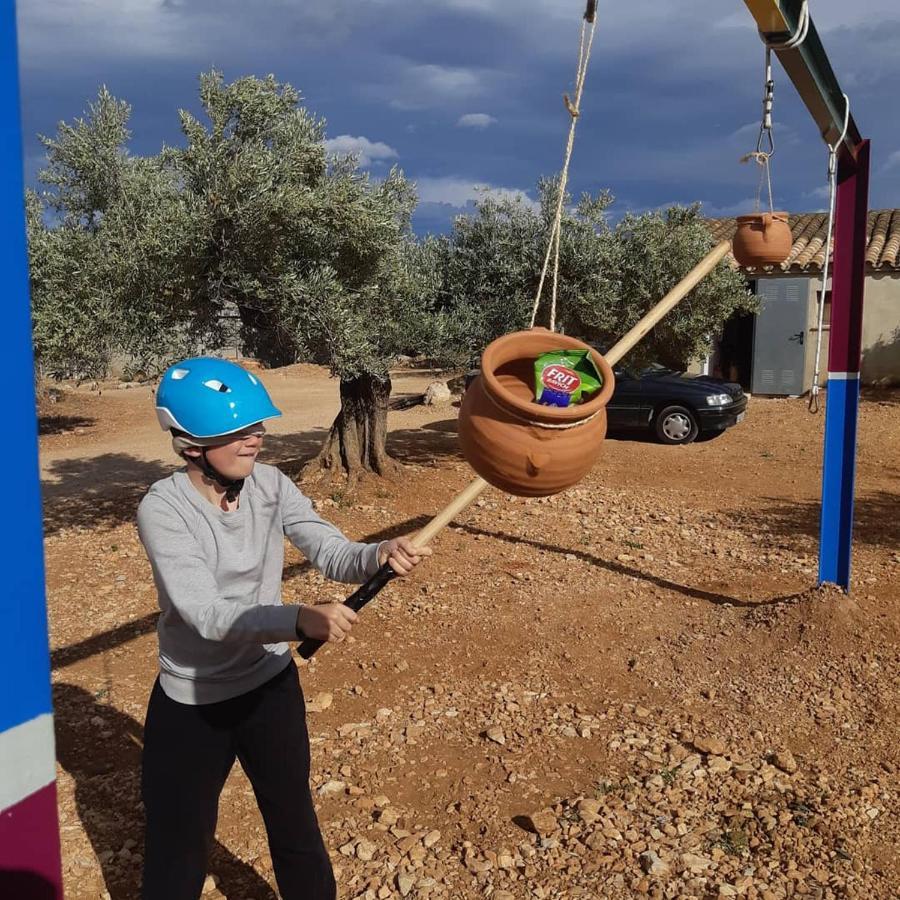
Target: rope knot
758 156
574 112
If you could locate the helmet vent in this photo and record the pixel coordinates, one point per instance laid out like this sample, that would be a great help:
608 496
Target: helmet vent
178 374
252 379
216 385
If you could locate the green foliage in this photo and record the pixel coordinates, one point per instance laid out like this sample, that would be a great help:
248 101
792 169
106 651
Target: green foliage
609 277
71 312
307 249
653 252
86 161
147 257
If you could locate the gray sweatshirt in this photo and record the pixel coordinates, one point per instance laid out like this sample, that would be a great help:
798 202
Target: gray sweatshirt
223 628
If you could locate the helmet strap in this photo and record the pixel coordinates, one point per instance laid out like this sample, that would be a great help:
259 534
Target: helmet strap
232 485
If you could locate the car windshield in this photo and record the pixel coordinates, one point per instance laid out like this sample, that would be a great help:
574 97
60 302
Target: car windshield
655 370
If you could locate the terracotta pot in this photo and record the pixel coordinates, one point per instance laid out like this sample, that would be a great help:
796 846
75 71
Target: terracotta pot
504 433
762 239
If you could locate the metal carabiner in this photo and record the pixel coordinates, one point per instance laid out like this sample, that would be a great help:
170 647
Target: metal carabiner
765 135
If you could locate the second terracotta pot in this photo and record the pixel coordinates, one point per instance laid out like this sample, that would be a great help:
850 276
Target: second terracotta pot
762 239
513 442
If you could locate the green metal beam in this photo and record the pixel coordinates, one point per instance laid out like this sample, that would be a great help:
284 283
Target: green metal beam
808 67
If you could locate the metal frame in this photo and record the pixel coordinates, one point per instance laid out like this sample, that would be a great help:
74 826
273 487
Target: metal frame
808 67
33 839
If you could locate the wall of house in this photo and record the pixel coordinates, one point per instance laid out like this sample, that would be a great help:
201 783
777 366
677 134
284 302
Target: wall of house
880 335
881 330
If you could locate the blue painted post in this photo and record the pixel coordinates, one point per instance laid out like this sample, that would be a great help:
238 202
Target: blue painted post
29 831
844 351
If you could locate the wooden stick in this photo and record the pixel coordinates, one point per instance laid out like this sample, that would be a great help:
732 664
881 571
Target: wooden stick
620 349
463 499
669 302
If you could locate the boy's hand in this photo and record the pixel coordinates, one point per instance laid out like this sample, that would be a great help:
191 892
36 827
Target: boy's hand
402 554
326 622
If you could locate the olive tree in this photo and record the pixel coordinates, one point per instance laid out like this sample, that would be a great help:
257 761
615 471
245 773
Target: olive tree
311 252
251 217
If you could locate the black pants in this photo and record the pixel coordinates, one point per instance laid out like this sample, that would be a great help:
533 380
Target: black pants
188 753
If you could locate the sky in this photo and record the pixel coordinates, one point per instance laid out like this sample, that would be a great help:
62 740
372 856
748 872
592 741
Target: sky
466 95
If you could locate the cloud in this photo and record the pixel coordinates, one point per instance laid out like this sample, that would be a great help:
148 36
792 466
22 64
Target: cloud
820 193
712 210
678 84
475 120
365 150
419 87
892 162
460 192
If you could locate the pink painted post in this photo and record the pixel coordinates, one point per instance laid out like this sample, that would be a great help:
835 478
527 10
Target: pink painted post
842 406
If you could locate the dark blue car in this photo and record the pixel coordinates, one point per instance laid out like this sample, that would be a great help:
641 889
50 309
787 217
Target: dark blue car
676 407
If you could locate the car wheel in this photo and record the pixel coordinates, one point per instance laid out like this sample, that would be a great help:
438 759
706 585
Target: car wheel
676 425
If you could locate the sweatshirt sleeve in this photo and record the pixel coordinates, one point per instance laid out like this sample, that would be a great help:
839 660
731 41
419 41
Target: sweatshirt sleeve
184 581
333 554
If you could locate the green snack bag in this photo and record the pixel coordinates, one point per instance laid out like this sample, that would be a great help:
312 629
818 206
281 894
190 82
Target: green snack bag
565 377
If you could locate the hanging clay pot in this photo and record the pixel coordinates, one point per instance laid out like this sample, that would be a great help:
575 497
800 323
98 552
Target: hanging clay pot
515 443
762 239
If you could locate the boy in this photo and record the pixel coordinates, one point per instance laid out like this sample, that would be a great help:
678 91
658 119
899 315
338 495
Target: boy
228 687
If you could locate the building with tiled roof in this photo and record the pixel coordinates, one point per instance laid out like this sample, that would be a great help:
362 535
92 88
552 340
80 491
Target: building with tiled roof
773 352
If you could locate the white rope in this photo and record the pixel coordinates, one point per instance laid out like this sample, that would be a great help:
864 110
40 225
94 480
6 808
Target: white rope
562 426
832 192
588 25
797 38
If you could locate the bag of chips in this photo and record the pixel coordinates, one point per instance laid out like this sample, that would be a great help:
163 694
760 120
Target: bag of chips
565 377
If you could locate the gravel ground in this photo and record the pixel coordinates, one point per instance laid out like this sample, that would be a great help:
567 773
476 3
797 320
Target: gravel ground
632 689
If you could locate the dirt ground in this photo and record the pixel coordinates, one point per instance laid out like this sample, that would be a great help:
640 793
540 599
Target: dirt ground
631 689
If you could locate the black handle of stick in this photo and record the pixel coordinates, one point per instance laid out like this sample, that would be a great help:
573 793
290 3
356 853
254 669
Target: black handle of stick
590 12
356 601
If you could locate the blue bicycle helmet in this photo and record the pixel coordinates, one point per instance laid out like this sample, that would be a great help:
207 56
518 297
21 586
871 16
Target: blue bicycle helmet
209 397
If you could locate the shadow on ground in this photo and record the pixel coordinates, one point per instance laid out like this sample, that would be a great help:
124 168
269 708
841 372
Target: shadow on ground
622 569
291 452
426 444
97 492
104 491
100 747
876 519
62 424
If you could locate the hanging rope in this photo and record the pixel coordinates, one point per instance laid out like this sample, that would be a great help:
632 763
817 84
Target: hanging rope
765 143
588 25
832 193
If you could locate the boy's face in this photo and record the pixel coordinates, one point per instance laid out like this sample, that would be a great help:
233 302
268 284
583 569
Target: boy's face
235 458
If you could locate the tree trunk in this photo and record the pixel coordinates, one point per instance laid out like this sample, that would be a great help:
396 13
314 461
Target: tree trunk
356 443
